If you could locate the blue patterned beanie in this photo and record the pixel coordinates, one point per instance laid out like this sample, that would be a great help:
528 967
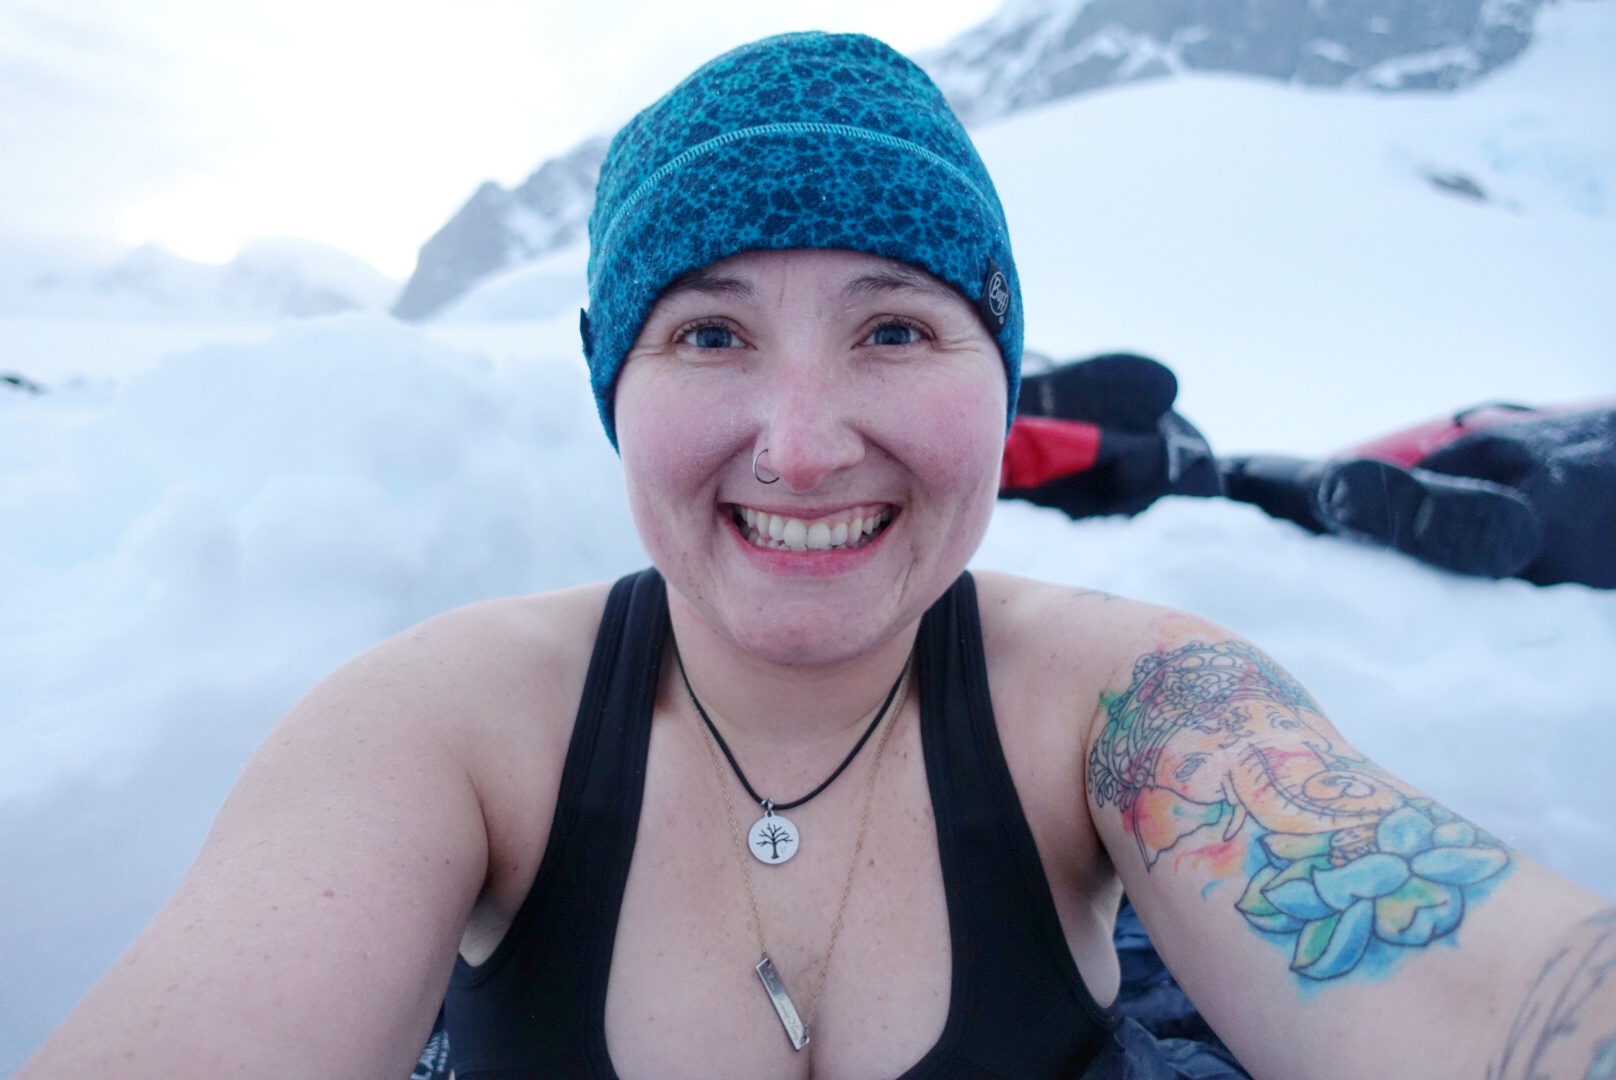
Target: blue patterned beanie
798 141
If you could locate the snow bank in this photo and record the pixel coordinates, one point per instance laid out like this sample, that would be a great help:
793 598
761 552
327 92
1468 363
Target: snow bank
196 523
345 478
185 553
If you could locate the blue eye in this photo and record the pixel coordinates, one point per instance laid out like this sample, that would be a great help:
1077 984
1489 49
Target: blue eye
893 334
712 337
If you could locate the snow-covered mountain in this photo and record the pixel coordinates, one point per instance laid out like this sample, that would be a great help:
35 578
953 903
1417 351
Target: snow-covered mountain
498 229
1035 51
269 279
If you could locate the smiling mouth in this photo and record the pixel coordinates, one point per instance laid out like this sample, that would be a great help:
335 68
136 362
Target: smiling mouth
843 531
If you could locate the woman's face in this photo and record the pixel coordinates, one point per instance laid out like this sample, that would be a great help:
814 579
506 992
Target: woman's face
880 399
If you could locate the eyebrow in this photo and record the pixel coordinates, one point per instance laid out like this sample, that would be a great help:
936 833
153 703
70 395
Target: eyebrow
706 280
711 282
894 278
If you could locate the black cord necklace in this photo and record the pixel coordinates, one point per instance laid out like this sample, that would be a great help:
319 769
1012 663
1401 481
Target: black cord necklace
775 839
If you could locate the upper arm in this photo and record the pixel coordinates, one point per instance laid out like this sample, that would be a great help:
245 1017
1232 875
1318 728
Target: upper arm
316 930
1327 918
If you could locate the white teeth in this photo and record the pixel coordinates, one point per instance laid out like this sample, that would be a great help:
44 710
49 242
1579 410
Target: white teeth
795 534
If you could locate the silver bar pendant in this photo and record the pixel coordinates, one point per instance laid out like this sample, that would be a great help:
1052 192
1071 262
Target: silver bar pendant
783 1005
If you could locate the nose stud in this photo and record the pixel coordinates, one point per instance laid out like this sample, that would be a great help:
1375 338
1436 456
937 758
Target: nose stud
757 475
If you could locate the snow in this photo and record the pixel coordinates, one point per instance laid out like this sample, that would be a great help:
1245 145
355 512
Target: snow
1288 239
268 279
536 290
200 518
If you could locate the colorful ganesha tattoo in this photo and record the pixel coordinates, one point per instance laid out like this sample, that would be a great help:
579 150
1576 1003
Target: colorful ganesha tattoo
1217 742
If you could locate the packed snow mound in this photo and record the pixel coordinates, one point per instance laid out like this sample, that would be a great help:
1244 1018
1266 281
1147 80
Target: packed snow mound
269 279
1036 51
538 290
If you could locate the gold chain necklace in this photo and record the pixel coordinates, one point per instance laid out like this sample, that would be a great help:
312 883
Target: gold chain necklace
797 1026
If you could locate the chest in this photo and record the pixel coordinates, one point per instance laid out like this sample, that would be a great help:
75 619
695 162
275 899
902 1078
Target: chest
856 922
976 880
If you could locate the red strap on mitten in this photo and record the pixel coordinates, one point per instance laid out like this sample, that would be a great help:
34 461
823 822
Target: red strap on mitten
1040 449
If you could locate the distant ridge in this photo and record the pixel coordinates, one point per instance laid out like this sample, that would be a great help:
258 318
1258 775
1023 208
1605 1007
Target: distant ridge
497 229
273 278
1036 51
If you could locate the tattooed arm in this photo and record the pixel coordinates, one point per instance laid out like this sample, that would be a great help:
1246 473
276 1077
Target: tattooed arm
1328 918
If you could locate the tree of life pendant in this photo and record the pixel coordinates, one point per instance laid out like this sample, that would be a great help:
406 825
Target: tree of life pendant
773 839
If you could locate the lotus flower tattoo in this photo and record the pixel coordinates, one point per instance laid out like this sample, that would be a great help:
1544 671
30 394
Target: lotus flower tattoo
1217 736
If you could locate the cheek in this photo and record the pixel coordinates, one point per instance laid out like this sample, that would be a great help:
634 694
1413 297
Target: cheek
674 439
957 432
664 431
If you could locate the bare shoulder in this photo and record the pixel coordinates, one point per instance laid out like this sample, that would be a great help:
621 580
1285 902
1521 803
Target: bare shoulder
1053 653
1050 637
474 658
492 688
334 889
487 690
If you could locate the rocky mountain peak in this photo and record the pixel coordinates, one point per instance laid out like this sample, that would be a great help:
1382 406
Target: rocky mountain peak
1035 51
497 229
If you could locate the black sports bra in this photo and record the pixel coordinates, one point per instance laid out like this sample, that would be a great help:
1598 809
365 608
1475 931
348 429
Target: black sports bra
1018 1008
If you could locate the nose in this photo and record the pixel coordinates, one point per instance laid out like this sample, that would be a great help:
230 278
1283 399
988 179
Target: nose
810 427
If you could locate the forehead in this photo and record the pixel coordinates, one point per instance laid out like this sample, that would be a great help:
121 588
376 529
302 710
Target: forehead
845 274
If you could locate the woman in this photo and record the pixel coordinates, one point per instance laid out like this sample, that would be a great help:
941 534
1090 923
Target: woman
806 801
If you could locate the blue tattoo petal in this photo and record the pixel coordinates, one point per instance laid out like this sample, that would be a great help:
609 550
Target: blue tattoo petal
1253 899
1419 911
1313 939
1259 912
1276 923
1454 834
1299 898
1362 879
1348 939
1439 813
1404 832
1459 866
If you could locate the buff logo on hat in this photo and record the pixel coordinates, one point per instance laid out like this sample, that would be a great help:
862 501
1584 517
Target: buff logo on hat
828 141
994 302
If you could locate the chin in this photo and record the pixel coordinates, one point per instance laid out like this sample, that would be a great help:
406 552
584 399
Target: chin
809 633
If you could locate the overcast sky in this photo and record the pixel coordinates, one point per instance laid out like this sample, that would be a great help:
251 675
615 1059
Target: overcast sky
361 123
